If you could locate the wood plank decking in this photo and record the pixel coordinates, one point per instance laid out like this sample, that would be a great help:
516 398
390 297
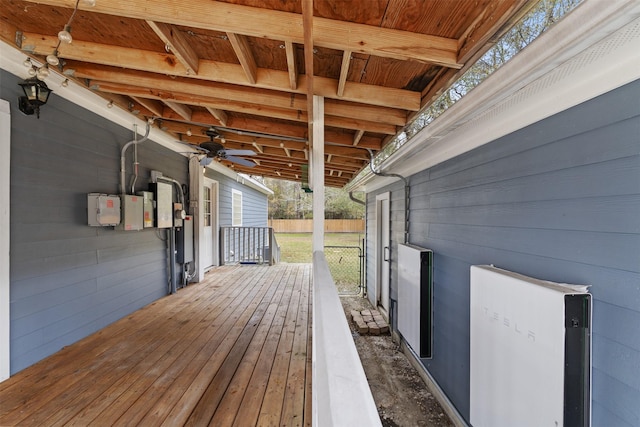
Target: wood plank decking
233 350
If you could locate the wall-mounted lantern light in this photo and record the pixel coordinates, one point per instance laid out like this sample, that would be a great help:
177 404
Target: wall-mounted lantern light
36 94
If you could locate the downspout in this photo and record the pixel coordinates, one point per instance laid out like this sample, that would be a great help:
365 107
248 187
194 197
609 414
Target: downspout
407 189
135 141
353 198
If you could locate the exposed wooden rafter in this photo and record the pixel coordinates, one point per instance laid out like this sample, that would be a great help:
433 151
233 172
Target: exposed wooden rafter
278 25
243 52
161 63
262 67
177 44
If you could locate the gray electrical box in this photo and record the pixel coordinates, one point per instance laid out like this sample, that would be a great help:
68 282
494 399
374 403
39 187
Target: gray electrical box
132 212
103 210
163 193
148 216
184 241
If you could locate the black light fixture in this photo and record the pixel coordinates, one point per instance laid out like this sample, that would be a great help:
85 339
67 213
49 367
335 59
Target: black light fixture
36 94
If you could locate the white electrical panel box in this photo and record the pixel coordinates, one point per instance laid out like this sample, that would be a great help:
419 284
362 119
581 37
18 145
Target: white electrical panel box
132 212
164 204
148 216
103 210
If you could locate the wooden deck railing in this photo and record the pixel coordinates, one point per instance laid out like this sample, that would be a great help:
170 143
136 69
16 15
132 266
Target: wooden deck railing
248 245
341 393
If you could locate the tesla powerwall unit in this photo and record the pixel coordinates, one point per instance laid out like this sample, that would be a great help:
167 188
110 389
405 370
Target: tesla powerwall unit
415 298
530 351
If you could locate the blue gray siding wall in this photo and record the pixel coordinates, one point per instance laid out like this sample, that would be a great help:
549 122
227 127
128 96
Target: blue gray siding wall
68 279
558 200
254 203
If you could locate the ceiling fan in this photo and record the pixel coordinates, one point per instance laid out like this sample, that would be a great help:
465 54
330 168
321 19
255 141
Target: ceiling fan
215 150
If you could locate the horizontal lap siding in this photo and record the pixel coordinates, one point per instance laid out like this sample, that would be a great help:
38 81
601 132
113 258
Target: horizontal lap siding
254 202
558 200
68 279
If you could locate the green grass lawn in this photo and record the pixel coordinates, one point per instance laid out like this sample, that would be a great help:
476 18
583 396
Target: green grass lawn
296 247
344 262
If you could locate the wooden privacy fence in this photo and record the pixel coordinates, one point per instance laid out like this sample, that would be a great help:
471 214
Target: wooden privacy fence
306 225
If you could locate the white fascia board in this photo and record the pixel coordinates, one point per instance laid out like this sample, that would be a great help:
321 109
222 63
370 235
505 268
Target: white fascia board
250 182
11 60
594 51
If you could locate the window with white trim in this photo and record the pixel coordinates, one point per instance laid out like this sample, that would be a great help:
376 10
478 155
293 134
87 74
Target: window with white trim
236 208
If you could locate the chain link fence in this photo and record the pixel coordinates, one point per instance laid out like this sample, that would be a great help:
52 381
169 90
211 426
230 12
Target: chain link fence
346 266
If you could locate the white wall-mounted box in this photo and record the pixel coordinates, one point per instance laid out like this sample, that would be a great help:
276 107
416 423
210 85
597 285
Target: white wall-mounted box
148 216
132 212
103 210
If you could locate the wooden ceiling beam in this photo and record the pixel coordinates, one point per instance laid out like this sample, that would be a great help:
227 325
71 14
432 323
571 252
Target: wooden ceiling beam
285 26
212 71
286 130
219 114
344 71
190 98
245 56
379 116
357 137
292 65
177 44
150 104
183 111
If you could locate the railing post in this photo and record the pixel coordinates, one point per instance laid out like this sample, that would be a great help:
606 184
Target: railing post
223 253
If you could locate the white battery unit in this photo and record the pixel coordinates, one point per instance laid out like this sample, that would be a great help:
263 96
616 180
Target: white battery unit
132 212
103 210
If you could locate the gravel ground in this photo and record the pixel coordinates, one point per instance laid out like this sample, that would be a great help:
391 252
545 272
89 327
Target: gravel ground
402 397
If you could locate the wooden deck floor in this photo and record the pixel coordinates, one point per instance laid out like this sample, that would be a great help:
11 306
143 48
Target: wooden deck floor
233 350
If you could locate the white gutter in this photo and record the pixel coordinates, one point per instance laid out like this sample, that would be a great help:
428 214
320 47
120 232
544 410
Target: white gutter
594 50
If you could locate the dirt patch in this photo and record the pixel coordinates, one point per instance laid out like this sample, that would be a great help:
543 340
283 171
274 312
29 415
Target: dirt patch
401 396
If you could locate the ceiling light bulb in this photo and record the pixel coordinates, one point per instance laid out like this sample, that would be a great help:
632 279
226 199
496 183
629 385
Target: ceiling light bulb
223 140
110 104
189 132
42 73
53 60
27 63
65 36
65 83
31 71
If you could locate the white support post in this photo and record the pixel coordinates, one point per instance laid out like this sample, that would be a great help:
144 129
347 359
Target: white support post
196 178
318 173
5 188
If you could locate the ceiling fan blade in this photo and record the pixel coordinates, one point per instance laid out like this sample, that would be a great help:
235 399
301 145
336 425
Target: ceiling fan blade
240 152
240 161
205 161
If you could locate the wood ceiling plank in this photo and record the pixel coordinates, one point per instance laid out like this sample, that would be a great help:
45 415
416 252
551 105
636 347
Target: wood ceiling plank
285 26
164 63
344 72
292 65
178 44
245 56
